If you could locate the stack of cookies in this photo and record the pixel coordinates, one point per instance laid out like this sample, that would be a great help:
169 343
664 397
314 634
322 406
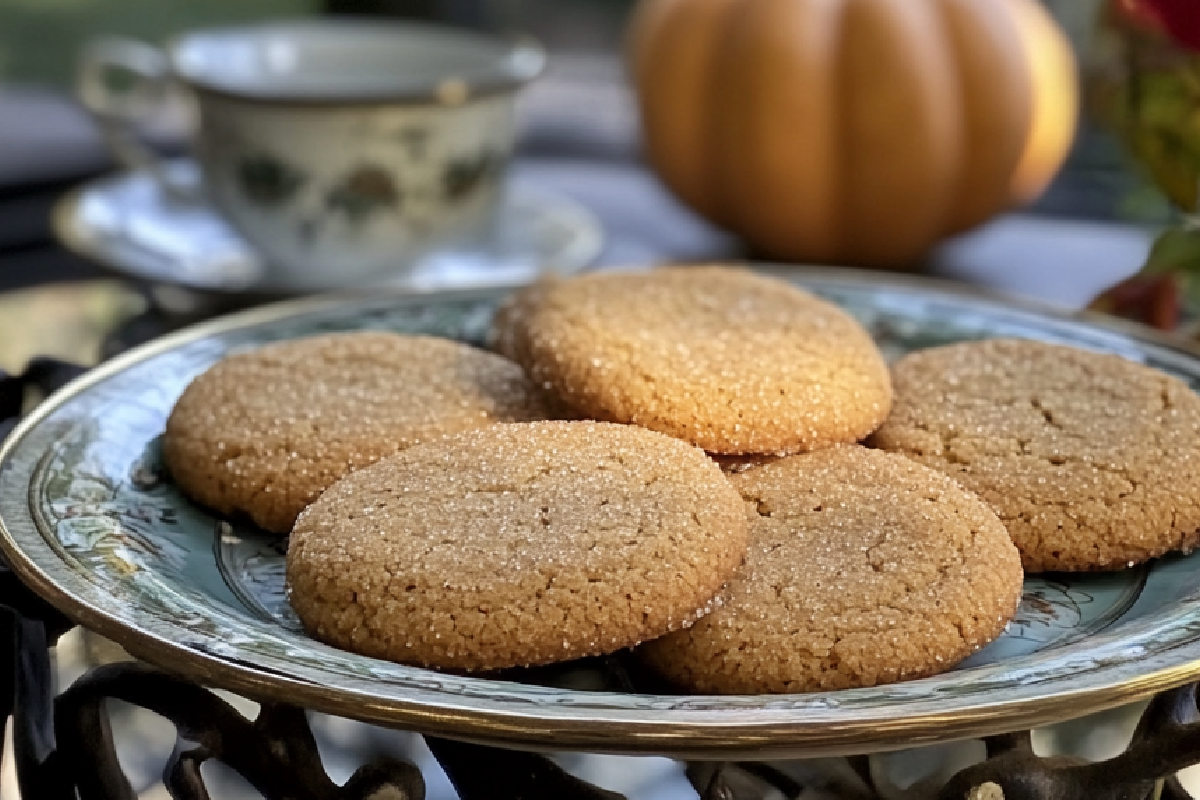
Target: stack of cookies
709 500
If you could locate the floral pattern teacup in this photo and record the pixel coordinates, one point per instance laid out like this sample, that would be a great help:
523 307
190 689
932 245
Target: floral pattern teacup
341 150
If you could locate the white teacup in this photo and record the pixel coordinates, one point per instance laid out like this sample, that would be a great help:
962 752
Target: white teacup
342 150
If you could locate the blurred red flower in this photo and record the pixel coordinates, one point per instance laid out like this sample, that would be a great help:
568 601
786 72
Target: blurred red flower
1179 19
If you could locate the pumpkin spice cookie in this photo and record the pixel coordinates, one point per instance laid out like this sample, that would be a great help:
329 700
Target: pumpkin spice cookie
863 568
1092 461
516 545
731 361
264 432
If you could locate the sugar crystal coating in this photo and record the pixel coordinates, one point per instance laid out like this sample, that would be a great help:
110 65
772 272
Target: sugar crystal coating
516 545
1091 460
862 568
264 432
734 362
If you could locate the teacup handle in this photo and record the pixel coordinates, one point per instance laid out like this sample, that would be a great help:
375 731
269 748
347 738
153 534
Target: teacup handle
122 81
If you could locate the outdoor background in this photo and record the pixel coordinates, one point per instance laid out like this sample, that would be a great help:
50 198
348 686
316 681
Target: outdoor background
39 38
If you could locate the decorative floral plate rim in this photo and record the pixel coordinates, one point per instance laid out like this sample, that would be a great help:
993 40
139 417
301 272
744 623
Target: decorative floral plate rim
214 640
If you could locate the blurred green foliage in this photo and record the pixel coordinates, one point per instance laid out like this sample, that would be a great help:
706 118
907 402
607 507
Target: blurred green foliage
1148 93
40 39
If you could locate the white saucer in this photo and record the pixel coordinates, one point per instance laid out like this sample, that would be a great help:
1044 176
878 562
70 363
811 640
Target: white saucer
128 224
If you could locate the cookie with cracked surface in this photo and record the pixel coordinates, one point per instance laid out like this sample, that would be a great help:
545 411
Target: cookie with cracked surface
862 568
265 432
516 545
729 360
1092 461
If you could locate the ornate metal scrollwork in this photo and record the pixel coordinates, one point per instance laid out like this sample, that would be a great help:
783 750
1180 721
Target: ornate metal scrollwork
65 748
486 773
276 753
1167 740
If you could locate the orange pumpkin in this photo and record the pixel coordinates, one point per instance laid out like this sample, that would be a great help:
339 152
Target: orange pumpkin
852 131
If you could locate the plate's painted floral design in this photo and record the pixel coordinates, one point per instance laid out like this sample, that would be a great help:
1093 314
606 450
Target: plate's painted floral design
91 520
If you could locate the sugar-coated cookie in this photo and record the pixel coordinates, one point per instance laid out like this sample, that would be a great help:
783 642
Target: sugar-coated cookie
264 432
862 568
732 361
1092 461
516 545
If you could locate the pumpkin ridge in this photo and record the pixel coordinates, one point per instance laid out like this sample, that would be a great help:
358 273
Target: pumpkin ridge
896 70
781 178
997 105
1051 62
673 42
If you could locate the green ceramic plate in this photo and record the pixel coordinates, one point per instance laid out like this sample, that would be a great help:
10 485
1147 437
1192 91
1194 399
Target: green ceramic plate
90 522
